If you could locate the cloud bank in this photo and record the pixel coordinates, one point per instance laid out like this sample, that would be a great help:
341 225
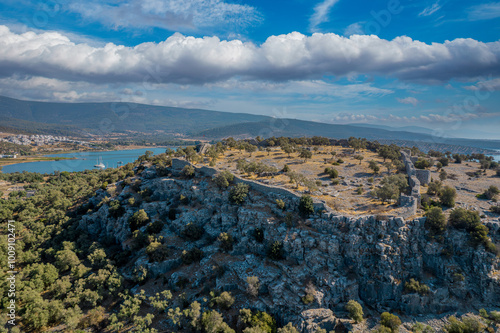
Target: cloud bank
188 60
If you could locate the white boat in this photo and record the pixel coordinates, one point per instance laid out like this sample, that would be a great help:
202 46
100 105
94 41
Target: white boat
99 164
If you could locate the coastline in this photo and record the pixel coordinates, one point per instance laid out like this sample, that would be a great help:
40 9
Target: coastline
45 158
34 158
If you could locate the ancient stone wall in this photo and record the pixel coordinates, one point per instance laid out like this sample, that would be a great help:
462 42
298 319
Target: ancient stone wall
408 204
424 176
411 202
271 191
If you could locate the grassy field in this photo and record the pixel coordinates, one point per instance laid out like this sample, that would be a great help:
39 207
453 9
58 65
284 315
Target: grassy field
349 194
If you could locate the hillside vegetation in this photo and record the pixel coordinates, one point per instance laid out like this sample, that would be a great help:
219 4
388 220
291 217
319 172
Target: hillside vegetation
166 244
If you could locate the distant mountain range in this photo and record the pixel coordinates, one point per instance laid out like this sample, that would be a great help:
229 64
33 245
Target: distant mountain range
412 129
418 129
87 119
101 118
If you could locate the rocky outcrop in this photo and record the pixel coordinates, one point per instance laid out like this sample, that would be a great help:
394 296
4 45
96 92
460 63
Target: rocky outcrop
274 192
337 257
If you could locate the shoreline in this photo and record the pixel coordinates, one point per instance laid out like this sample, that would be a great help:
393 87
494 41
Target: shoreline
41 158
45 158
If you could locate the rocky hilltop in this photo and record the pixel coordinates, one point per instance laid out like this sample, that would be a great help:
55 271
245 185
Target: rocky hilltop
329 257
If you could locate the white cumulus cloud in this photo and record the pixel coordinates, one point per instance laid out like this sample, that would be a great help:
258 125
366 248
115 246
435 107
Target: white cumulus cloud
188 60
486 85
408 100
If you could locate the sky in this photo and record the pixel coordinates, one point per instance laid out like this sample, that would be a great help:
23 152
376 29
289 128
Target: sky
432 64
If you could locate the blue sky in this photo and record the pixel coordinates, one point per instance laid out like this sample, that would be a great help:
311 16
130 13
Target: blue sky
434 64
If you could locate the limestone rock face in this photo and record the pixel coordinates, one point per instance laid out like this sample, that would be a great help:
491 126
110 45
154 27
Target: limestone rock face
314 319
338 258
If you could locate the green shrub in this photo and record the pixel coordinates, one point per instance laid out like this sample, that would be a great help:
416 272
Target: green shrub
238 193
413 286
288 328
466 325
258 234
191 256
495 209
276 251
183 199
490 193
382 329
305 154
115 209
307 299
447 196
188 171
254 167
155 227
290 220
495 316
333 173
193 232
225 241
435 221
213 322
479 234
423 164
444 161
139 219
355 311
421 328
461 218
306 205
223 301
374 166
281 204
157 251
146 194
286 168
391 321
392 187
66 259
223 179
434 188
261 321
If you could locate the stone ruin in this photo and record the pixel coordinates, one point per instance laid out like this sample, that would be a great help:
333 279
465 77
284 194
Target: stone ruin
410 203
